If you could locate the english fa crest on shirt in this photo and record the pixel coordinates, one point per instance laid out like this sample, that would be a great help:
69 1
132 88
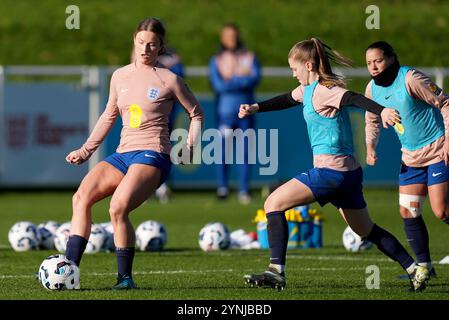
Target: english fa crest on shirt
153 93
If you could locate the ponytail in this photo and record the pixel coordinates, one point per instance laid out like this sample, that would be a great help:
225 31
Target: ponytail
321 55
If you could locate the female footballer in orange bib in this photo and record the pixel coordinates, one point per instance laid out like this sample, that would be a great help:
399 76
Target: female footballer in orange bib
337 176
424 110
142 93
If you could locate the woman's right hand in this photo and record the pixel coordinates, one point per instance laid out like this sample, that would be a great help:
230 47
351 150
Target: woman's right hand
390 117
371 156
74 157
248 110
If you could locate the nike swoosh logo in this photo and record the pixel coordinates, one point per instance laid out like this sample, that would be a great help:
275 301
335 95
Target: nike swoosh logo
436 174
149 156
388 97
304 174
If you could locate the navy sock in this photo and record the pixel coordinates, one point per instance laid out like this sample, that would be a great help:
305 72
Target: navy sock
418 238
75 248
125 257
277 236
390 246
446 221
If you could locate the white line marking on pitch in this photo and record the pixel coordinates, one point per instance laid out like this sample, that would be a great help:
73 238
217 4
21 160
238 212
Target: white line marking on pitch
8 276
336 258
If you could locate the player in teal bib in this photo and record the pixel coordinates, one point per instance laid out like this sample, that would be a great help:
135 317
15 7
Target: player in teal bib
424 110
337 176
422 123
331 135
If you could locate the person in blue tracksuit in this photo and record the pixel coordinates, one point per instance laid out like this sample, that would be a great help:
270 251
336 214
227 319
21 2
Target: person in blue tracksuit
234 73
337 176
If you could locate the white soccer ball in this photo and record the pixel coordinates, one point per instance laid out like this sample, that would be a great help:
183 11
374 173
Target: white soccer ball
352 241
47 231
23 236
97 239
151 236
62 236
214 236
57 272
109 245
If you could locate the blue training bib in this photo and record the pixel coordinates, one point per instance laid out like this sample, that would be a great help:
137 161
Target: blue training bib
327 135
422 123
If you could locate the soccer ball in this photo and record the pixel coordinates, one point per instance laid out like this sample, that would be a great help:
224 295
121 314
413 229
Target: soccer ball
62 236
23 236
353 242
214 236
47 231
151 236
57 272
109 245
97 239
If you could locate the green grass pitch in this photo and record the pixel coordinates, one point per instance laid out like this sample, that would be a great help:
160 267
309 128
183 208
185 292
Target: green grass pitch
183 272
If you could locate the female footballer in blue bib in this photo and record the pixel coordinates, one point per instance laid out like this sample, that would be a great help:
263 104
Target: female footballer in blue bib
424 110
337 176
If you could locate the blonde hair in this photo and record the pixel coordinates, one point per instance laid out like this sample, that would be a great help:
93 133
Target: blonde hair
321 55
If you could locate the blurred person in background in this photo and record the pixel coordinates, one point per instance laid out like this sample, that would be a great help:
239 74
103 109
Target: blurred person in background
234 73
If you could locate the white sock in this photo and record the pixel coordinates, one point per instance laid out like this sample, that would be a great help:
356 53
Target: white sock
411 268
428 265
278 267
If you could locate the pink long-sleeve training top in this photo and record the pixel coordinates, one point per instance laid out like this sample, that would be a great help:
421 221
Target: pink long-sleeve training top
144 98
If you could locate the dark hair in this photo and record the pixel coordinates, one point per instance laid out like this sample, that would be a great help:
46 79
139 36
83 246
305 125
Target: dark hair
233 26
154 25
385 47
321 55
